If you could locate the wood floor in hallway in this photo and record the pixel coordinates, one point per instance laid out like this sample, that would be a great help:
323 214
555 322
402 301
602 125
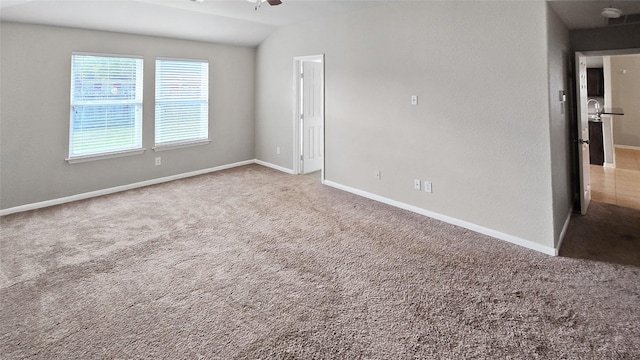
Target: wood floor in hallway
619 185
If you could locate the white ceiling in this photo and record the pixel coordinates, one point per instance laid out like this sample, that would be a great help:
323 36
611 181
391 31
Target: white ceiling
220 21
229 21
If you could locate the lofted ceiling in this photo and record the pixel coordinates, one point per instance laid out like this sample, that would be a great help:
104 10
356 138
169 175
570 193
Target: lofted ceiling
220 21
230 21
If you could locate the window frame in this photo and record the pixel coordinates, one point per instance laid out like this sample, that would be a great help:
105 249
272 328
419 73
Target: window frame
185 142
138 102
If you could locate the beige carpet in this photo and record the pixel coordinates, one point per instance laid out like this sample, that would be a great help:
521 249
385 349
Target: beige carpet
251 263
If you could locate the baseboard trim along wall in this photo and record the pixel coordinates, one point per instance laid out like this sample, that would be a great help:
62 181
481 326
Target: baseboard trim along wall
563 233
116 189
467 225
627 147
274 166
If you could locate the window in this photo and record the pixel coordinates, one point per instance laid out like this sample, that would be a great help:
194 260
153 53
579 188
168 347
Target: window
106 105
182 102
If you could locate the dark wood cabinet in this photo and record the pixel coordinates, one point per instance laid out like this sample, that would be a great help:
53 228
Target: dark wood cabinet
596 143
595 82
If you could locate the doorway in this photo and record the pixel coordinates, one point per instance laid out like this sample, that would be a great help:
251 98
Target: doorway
308 119
616 179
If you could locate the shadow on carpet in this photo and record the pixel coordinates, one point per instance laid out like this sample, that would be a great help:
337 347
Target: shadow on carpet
608 233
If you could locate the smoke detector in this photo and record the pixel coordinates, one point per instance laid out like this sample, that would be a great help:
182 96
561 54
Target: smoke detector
611 13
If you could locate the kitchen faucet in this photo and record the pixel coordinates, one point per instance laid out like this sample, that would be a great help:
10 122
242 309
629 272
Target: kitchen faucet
596 107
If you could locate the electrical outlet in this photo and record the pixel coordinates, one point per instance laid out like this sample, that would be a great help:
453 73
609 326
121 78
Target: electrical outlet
414 99
278 150
416 184
158 161
427 186
378 175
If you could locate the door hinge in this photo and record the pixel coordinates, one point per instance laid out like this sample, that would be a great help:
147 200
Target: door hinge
301 76
301 157
301 116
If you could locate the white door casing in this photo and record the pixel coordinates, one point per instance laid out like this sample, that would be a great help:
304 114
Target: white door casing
583 133
311 117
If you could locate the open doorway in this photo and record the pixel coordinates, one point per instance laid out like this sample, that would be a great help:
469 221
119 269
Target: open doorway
614 161
308 123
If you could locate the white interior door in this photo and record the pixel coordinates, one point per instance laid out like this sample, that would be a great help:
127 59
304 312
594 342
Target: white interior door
583 133
311 117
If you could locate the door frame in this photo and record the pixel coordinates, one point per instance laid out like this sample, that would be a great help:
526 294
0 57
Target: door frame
584 173
297 92
576 108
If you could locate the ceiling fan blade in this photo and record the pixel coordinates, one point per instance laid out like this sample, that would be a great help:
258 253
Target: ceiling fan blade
274 2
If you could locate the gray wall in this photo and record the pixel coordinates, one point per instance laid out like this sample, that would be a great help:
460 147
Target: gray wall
481 133
35 72
559 58
625 94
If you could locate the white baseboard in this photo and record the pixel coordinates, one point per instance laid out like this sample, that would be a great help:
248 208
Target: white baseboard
465 224
116 189
609 165
274 166
627 147
563 233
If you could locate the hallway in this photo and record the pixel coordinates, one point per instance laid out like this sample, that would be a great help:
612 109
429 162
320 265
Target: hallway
619 185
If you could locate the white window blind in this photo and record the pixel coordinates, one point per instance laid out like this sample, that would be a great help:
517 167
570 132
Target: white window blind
182 102
106 105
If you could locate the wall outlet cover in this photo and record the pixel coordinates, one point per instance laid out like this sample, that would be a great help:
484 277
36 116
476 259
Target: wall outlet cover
427 186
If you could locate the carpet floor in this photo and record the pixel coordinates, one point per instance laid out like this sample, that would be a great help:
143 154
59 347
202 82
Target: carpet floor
251 263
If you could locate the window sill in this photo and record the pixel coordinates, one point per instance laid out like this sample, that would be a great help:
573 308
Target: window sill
81 159
180 145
